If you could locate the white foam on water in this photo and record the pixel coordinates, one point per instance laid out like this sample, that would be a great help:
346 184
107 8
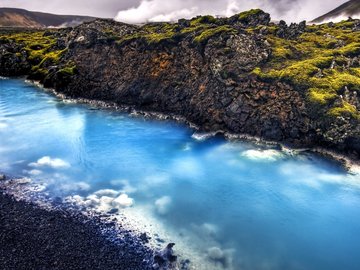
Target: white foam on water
187 167
47 161
268 155
78 186
3 126
106 192
202 136
34 172
125 185
205 230
123 200
103 200
187 147
163 205
316 178
154 181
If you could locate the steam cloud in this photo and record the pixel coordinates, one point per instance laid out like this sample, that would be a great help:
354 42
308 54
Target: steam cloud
158 10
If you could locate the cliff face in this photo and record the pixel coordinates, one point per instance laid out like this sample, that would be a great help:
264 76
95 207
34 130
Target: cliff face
221 74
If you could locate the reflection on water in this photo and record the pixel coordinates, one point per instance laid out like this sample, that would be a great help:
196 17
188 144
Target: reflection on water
227 205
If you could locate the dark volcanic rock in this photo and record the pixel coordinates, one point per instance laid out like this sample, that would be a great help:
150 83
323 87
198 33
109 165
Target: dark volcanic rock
292 31
13 59
34 238
165 259
250 18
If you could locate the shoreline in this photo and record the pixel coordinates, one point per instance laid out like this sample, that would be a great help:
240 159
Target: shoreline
64 235
347 162
36 238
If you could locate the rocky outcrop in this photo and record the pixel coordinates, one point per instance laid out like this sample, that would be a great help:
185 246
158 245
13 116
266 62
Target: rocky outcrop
292 31
13 59
203 75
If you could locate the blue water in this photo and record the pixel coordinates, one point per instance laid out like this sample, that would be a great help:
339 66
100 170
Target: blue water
238 205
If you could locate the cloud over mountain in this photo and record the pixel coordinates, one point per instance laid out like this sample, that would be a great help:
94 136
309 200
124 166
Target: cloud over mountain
158 10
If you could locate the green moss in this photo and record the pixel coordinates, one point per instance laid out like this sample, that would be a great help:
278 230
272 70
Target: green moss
205 35
152 34
202 20
316 62
52 57
68 70
320 96
194 29
346 109
243 16
350 50
155 38
37 45
39 73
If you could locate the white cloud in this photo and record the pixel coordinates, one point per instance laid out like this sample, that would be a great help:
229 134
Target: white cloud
340 18
158 10
47 161
134 11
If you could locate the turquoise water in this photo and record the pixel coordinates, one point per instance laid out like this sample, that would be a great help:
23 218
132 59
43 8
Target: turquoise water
236 205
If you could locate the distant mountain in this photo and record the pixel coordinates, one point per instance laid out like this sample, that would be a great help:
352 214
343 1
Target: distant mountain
13 17
348 9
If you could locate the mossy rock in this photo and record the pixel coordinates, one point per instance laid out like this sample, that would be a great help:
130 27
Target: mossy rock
207 34
345 110
317 62
68 71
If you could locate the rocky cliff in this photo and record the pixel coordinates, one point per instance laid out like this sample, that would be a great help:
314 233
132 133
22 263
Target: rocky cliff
295 84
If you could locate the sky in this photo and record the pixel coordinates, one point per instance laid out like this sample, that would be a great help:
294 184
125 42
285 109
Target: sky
138 11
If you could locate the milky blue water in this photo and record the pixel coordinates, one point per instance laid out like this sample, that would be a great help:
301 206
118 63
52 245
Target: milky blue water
237 205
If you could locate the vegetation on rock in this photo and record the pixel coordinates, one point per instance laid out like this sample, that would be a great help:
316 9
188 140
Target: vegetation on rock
323 61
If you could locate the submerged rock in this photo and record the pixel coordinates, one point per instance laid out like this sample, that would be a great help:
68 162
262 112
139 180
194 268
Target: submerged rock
165 259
